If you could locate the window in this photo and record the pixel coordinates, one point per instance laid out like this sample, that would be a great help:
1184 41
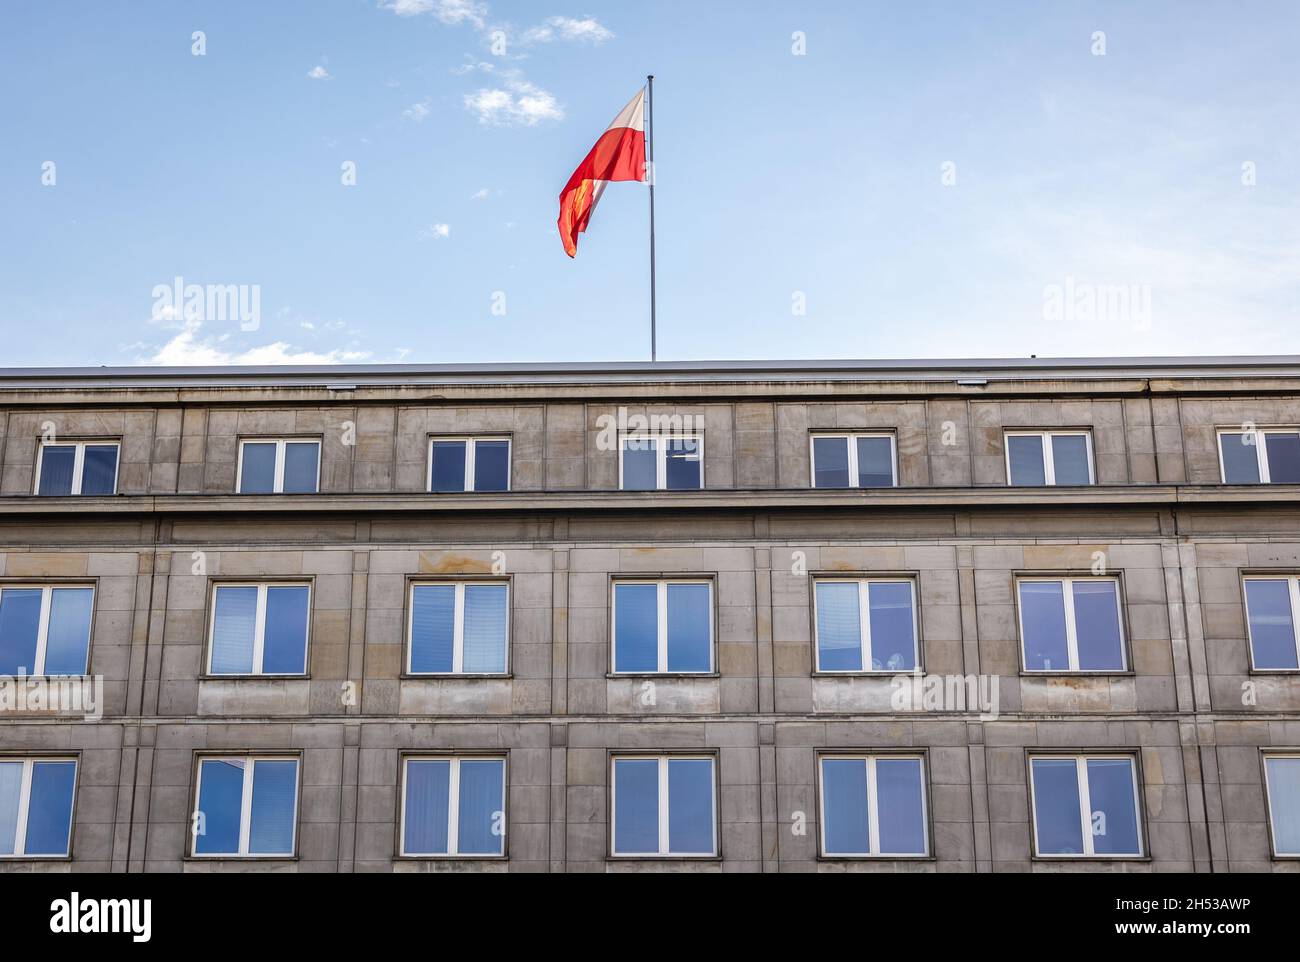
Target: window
663 806
661 463
1071 624
1260 456
77 467
663 627
45 629
36 806
873 805
279 466
1282 786
459 628
453 806
259 629
885 640
469 464
853 461
1085 806
1272 612
1049 457
247 806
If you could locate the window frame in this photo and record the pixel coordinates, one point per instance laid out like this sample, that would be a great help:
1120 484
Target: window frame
661 457
1293 590
24 805
1071 624
1049 458
453 811
851 438
78 465
259 629
873 829
458 626
43 622
280 442
471 444
665 809
864 623
1261 451
1264 756
246 803
662 584
1081 759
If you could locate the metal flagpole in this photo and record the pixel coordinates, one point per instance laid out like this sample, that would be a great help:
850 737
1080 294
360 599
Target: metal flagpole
650 172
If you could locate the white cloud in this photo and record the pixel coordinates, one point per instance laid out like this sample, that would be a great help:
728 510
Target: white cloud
452 12
436 232
319 73
417 112
586 30
189 348
517 103
480 194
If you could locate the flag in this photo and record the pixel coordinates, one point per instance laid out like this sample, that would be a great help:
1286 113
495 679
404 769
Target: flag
619 154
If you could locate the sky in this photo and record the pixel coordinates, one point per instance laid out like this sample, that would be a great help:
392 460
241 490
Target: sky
834 179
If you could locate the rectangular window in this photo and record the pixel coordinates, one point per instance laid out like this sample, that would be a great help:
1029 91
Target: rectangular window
77 467
247 806
1282 786
279 466
469 464
1085 806
1272 613
458 628
36 806
873 805
664 806
1260 456
663 627
259 629
853 461
453 806
661 463
45 629
1071 624
1049 457
885 640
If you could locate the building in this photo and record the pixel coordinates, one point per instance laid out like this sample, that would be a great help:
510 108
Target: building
739 616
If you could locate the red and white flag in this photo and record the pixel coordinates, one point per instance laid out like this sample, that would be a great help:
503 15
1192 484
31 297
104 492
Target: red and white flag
619 154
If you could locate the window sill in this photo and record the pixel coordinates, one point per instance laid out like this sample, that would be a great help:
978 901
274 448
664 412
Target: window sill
877 858
639 859
1274 671
1090 858
254 677
459 859
1128 673
882 673
456 676
240 858
673 675
34 858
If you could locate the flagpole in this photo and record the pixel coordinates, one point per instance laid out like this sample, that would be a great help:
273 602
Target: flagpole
650 157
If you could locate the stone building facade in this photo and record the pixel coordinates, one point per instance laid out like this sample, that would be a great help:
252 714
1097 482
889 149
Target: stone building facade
1203 716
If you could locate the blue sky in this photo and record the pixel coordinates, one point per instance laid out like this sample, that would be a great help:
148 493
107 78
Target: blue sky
1166 168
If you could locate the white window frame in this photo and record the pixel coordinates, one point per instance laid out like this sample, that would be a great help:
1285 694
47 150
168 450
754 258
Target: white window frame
246 806
1293 586
471 443
453 806
1049 462
873 806
664 806
43 624
277 484
851 442
1268 802
1071 625
259 627
661 456
24 806
78 465
458 628
1085 807
1261 450
661 622
864 626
